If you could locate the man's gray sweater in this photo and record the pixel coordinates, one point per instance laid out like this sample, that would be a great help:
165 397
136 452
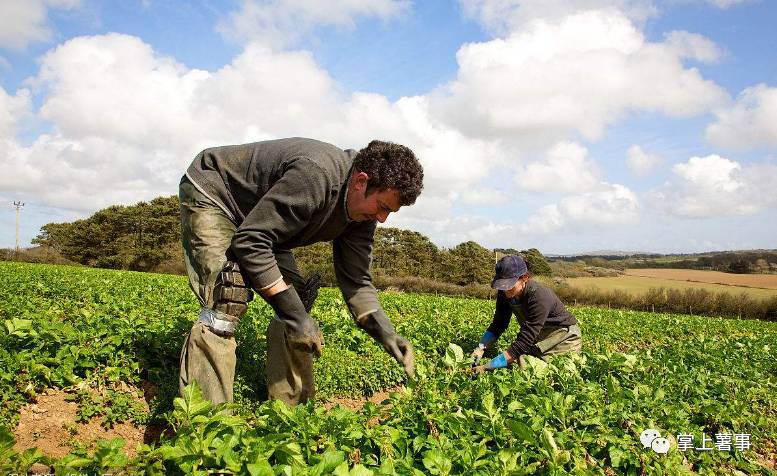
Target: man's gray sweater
286 193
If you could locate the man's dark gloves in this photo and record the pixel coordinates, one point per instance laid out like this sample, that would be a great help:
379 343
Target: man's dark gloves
302 332
309 291
379 327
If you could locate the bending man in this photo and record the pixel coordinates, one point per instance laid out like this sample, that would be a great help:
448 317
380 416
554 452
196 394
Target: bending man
243 209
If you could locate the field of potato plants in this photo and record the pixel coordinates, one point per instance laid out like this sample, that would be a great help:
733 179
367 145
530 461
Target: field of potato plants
103 338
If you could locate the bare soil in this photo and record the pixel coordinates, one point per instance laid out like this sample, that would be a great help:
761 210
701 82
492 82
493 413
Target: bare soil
767 455
50 425
357 403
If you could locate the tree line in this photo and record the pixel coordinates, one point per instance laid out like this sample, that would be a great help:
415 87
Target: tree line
147 236
741 262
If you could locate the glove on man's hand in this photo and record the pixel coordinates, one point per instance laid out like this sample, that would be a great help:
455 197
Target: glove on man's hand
302 332
401 349
379 327
309 291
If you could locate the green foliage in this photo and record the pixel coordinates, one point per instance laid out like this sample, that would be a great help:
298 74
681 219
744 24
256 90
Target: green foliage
755 261
680 301
404 253
468 263
536 262
139 237
76 328
317 258
113 407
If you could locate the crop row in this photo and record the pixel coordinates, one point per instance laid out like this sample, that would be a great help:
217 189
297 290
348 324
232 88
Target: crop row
76 328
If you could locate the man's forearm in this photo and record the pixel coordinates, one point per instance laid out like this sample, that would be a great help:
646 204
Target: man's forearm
276 288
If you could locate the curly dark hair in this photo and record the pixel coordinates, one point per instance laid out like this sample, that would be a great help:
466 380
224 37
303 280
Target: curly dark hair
391 165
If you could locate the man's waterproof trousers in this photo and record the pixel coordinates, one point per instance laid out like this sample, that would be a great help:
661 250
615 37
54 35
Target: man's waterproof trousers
209 357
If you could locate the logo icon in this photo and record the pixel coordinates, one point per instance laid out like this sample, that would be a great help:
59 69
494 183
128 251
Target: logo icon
652 438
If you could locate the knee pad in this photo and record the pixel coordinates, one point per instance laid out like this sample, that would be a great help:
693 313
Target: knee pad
231 295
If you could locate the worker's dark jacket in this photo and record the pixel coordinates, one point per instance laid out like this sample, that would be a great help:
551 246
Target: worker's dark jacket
536 308
286 193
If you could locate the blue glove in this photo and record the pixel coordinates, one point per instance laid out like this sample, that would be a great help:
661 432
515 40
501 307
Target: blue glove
498 362
487 339
477 354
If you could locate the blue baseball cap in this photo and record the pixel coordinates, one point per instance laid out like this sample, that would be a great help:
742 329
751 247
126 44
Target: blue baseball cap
508 270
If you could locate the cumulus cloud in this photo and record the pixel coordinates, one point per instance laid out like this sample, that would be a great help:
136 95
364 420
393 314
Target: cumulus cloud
451 160
723 4
448 230
610 205
642 163
576 73
142 116
751 122
693 46
280 23
503 16
713 186
13 109
566 168
126 120
484 196
25 21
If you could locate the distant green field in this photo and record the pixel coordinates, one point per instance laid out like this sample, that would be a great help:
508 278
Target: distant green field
640 284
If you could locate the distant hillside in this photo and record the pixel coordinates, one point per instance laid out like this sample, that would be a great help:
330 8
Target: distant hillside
740 261
603 253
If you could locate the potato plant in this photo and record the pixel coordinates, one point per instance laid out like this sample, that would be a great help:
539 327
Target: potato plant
80 329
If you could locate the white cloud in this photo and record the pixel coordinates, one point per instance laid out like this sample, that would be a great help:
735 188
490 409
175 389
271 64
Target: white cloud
642 163
122 91
723 4
451 160
750 123
548 219
504 16
575 73
714 186
712 172
566 168
279 23
13 109
484 196
141 117
449 230
24 21
611 205
126 120
693 46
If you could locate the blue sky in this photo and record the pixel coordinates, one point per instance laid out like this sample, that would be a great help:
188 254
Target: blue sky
569 126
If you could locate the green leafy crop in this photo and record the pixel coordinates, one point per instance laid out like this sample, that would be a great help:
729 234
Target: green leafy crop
95 333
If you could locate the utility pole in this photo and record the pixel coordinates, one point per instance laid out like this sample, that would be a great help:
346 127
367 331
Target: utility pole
18 206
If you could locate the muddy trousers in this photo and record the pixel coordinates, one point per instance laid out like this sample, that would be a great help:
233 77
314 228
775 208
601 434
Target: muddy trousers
208 358
555 340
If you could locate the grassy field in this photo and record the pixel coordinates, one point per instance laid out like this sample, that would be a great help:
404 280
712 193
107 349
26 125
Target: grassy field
677 279
88 353
767 281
